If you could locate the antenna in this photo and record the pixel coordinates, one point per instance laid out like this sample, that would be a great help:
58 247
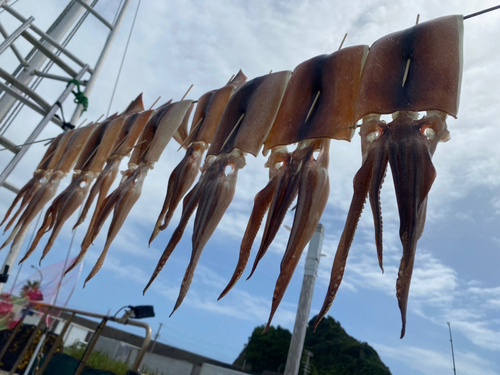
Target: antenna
452 353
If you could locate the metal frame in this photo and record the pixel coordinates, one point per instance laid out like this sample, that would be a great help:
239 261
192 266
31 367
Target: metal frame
19 83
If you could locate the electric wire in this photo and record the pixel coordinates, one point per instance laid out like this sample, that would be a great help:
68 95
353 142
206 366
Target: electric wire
3 10
123 58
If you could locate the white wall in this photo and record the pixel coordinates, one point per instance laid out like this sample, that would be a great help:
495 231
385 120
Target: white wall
208 369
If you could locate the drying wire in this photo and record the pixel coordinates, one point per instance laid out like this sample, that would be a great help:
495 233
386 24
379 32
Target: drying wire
117 11
123 58
482 12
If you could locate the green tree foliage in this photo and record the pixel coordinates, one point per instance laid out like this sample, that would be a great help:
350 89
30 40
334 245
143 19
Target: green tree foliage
267 351
335 352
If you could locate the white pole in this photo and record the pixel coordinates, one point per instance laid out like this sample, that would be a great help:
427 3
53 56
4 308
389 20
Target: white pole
12 255
306 294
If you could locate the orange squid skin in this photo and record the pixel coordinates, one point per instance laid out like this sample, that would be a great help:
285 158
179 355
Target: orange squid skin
156 135
72 150
245 123
181 179
404 145
318 106
40 176
417 69
204 124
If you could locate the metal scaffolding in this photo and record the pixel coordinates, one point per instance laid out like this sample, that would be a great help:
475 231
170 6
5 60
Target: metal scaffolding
16 86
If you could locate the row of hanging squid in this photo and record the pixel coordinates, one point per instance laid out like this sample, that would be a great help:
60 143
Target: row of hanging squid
327 97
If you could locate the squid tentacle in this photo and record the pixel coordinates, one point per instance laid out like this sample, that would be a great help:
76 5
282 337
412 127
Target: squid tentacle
218 194
190 202
130 192
379 171
314 189
285 193
357 203
261 204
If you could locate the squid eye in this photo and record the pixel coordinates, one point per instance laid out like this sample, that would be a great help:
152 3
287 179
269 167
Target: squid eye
228 169
82 184
429 133
278 165
372 136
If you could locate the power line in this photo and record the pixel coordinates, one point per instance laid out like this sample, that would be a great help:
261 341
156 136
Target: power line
123 58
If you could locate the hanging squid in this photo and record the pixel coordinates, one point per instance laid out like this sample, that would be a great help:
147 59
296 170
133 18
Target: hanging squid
206 117
88 166
77 140
40 176
318 106
244 126
418 69
130 132
155 137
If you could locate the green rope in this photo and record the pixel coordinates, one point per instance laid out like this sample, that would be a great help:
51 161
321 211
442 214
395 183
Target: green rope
80 97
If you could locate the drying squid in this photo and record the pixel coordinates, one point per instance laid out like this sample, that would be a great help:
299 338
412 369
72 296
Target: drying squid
318 106
130 132
206 117
40 176
75 144
244 125
87 168
418 69
155 137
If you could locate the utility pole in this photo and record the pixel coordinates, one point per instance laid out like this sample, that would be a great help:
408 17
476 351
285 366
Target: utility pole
452 353
156 338
304 307
307 367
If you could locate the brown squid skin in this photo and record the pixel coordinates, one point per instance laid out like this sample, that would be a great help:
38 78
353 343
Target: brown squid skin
407 144
216 187
179 183
121 203
313 191
279 157
299 174
45 193
40 176
244 125
206 117
125 141
155 137
61 210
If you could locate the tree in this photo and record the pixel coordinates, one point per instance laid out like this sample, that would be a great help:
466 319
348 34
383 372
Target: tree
266 351
335 352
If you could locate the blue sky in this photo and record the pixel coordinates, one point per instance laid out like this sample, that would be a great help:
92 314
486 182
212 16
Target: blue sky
456 275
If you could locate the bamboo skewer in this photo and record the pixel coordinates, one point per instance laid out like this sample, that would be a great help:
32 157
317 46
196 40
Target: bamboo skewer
232 131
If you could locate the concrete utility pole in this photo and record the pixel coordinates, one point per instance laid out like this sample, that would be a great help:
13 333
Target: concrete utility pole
306 294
